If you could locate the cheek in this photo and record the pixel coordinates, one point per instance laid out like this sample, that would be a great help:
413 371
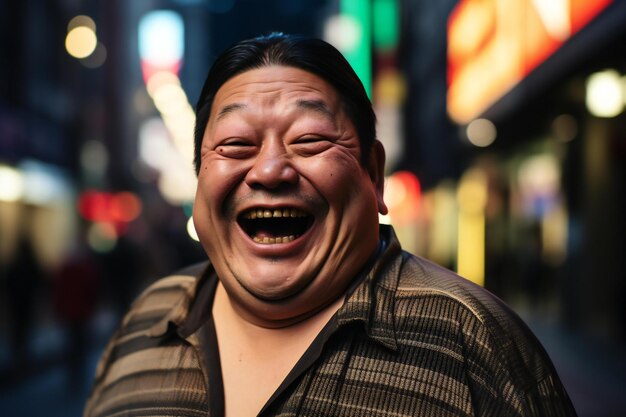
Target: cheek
217 179
338 177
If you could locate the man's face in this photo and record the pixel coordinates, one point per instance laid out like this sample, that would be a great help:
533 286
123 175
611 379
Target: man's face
284 208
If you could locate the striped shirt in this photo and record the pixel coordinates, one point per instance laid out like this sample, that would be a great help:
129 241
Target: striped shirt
411 339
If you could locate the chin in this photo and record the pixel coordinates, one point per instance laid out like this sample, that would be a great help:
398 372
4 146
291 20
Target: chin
274 293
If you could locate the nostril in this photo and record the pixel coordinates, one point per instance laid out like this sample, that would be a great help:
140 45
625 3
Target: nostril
271 173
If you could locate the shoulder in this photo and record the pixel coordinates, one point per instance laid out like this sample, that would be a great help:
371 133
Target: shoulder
159 298
501 356
142 356
423 280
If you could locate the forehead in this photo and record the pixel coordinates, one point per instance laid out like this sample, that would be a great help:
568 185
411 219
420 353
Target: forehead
274 85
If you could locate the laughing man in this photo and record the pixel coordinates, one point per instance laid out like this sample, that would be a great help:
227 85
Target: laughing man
307 306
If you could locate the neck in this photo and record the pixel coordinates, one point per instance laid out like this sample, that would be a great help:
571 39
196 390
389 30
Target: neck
229 311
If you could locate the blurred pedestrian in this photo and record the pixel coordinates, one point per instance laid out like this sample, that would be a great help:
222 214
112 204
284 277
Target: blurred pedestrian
24 277
75 289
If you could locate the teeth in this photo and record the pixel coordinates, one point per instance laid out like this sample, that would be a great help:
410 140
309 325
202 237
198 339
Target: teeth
267 213
273 240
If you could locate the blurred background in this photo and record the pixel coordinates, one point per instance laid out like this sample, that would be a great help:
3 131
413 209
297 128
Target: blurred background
503 122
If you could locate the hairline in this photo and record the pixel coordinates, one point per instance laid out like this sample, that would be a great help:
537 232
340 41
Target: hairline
265 63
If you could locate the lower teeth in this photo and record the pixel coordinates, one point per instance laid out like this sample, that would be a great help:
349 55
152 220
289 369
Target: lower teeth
273 240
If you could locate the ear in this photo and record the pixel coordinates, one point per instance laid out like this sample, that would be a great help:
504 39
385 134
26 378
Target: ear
376 170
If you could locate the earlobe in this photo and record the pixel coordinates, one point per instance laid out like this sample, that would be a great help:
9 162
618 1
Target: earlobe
377 174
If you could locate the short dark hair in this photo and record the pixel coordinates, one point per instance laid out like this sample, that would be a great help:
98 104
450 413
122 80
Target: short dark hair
310 54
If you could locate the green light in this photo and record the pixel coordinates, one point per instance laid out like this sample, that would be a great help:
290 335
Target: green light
385 16
360 56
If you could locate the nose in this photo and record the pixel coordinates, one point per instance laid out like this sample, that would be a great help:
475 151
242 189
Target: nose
272 167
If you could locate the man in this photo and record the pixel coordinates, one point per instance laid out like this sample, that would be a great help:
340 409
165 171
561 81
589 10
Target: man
308 307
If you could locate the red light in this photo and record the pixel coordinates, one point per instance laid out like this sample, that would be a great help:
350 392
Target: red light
404 197
116 209
124 207
93 205
148 69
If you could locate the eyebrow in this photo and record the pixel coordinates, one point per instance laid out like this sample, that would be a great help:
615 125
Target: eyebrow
317 106
230 108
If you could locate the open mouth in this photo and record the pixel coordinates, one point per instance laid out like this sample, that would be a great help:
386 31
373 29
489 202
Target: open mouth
276 225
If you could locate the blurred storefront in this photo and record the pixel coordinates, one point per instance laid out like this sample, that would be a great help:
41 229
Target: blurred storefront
539 97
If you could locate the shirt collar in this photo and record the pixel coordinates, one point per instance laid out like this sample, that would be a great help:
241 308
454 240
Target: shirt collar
371 303
189 311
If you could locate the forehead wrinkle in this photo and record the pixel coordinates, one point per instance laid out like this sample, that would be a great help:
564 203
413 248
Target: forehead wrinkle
264 93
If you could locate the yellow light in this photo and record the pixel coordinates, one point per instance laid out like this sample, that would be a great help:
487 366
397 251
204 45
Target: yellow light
81 42
554 236
191 230
390 87
181 129
605 96
472 198
160 79
177 181
12 182
443 223
170 98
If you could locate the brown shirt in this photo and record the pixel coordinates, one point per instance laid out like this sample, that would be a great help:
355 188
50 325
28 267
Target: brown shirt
412 339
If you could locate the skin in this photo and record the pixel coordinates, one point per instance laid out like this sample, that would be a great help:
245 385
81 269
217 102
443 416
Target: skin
278 137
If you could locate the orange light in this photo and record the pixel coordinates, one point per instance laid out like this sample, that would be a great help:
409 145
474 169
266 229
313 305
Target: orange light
403 197
124 207
115 209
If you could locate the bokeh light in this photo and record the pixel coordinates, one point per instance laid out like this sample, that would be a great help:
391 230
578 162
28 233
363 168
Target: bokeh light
81 20
81 42
191 230
605 96
12 184
481 132
161 38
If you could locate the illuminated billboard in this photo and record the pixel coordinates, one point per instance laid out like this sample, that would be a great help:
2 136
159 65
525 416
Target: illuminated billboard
494 44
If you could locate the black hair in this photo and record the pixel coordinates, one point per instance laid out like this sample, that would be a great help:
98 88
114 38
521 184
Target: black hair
313 55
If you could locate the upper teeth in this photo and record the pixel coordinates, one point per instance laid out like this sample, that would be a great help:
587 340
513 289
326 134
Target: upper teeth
267 213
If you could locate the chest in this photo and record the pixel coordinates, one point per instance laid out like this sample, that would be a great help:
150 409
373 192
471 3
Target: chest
356 379
250 381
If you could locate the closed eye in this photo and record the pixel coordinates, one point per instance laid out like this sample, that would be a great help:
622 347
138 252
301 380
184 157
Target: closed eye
235 148
311 145
313 140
